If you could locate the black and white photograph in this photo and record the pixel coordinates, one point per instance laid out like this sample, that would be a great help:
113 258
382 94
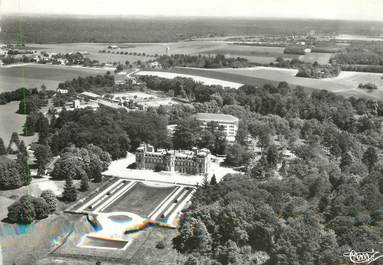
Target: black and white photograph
205 132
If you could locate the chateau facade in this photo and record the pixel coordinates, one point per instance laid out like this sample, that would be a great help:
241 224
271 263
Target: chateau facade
189 162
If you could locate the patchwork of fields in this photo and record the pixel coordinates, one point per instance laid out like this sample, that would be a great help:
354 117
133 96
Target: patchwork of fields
255 54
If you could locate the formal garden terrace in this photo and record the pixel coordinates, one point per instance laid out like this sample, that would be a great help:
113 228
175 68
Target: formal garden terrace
122 216
149 199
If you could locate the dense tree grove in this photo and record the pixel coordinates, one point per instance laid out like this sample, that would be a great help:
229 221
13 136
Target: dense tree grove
30 104
188 134
83 127
368 86
202 61
16 95
294 50
115 131
36 122
81 163
15 173
361 56
297 220
318 71
363 53
29 208
89 83
304 208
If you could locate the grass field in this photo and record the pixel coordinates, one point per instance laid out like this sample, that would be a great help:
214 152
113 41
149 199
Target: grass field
321 58
250 52
10 122
196 78
141 199
227 75
345 84
34 75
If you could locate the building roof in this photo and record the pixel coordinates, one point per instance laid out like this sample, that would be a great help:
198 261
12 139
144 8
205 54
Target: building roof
90 94
216 117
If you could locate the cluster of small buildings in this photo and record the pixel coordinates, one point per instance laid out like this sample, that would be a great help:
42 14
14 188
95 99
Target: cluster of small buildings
129 101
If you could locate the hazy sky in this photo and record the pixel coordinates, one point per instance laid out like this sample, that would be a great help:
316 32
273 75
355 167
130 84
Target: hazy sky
328 9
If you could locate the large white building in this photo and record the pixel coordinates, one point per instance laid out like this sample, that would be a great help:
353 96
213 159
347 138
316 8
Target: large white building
229 122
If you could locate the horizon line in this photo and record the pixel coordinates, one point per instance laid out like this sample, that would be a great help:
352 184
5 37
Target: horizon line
10 14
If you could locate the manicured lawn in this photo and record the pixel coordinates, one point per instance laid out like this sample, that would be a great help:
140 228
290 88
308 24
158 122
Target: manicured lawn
141 199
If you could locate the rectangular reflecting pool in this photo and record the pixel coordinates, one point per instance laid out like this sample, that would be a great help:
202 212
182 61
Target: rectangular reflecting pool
88 242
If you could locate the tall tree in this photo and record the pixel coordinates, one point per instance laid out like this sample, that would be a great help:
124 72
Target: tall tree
370 157
272 156
29 128
213 180
14 143
42 154
10 177
22 161
84 182
43 129
50 198
70 193
2 147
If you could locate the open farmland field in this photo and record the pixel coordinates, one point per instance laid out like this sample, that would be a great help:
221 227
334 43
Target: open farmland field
197 78
345 84
34 75
255 54
141 199
321 58
228 75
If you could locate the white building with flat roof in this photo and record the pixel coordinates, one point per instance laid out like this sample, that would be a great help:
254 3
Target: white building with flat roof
89 95
229 123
